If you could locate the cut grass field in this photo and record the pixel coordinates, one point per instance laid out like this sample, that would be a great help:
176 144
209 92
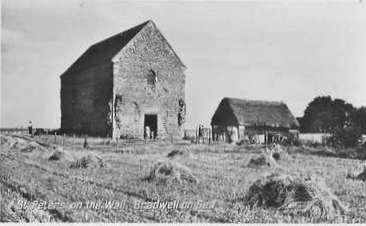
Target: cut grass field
119 174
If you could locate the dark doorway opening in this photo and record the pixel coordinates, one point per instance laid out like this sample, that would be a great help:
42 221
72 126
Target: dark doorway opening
151 126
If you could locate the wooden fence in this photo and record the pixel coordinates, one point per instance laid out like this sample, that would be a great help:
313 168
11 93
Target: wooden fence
199 135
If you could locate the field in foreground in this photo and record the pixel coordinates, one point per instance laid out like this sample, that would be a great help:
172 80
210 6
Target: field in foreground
116 188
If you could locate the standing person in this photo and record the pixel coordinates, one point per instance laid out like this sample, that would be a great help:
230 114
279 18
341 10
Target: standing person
200 133
147 132
234 135
30 128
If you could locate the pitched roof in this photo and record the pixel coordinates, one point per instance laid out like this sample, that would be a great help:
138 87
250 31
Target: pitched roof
256 112
106 49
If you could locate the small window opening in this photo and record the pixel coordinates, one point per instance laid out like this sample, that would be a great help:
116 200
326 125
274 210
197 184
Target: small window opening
152 78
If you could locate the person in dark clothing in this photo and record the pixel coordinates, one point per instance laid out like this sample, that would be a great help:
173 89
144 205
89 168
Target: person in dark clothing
30 128
200 133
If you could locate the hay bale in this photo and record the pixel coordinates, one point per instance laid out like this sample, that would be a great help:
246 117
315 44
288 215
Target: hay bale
278 153
21 144
258 161
88 161
165 170
7 140
3 139
176 153
57 155
28 147
276 156
294 195
241 142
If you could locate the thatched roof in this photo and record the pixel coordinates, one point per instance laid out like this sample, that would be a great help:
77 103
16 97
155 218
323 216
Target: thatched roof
105 50
233 111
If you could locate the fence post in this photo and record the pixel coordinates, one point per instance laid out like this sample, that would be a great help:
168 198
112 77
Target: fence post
265 138
209 136
196 137
86 145
115 144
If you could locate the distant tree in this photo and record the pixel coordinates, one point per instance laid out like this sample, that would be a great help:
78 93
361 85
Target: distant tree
326 115
301 122
359 119
341 119
345 137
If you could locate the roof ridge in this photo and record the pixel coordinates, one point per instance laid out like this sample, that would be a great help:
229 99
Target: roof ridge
166 41
253 101
252 112
120 33
107 45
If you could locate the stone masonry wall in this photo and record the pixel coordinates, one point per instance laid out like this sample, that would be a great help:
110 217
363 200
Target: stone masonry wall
84 100
134 97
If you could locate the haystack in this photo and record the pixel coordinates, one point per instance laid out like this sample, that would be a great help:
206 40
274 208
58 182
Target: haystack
30 147
180 152
276 156
22 144
166 170
263 159
259 160
7 140
278 153
295 195
58 154
88 161
11 141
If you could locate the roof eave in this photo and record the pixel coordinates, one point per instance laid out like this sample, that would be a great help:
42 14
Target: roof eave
184 67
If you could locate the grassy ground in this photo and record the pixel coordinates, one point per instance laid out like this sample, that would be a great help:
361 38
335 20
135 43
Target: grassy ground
222 170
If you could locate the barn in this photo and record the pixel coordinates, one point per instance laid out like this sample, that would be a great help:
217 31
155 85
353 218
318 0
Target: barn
125 85
258 121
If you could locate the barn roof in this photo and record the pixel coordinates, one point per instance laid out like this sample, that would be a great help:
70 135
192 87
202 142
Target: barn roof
106 49
258 113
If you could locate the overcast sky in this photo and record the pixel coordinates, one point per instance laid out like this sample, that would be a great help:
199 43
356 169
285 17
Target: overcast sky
287 51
